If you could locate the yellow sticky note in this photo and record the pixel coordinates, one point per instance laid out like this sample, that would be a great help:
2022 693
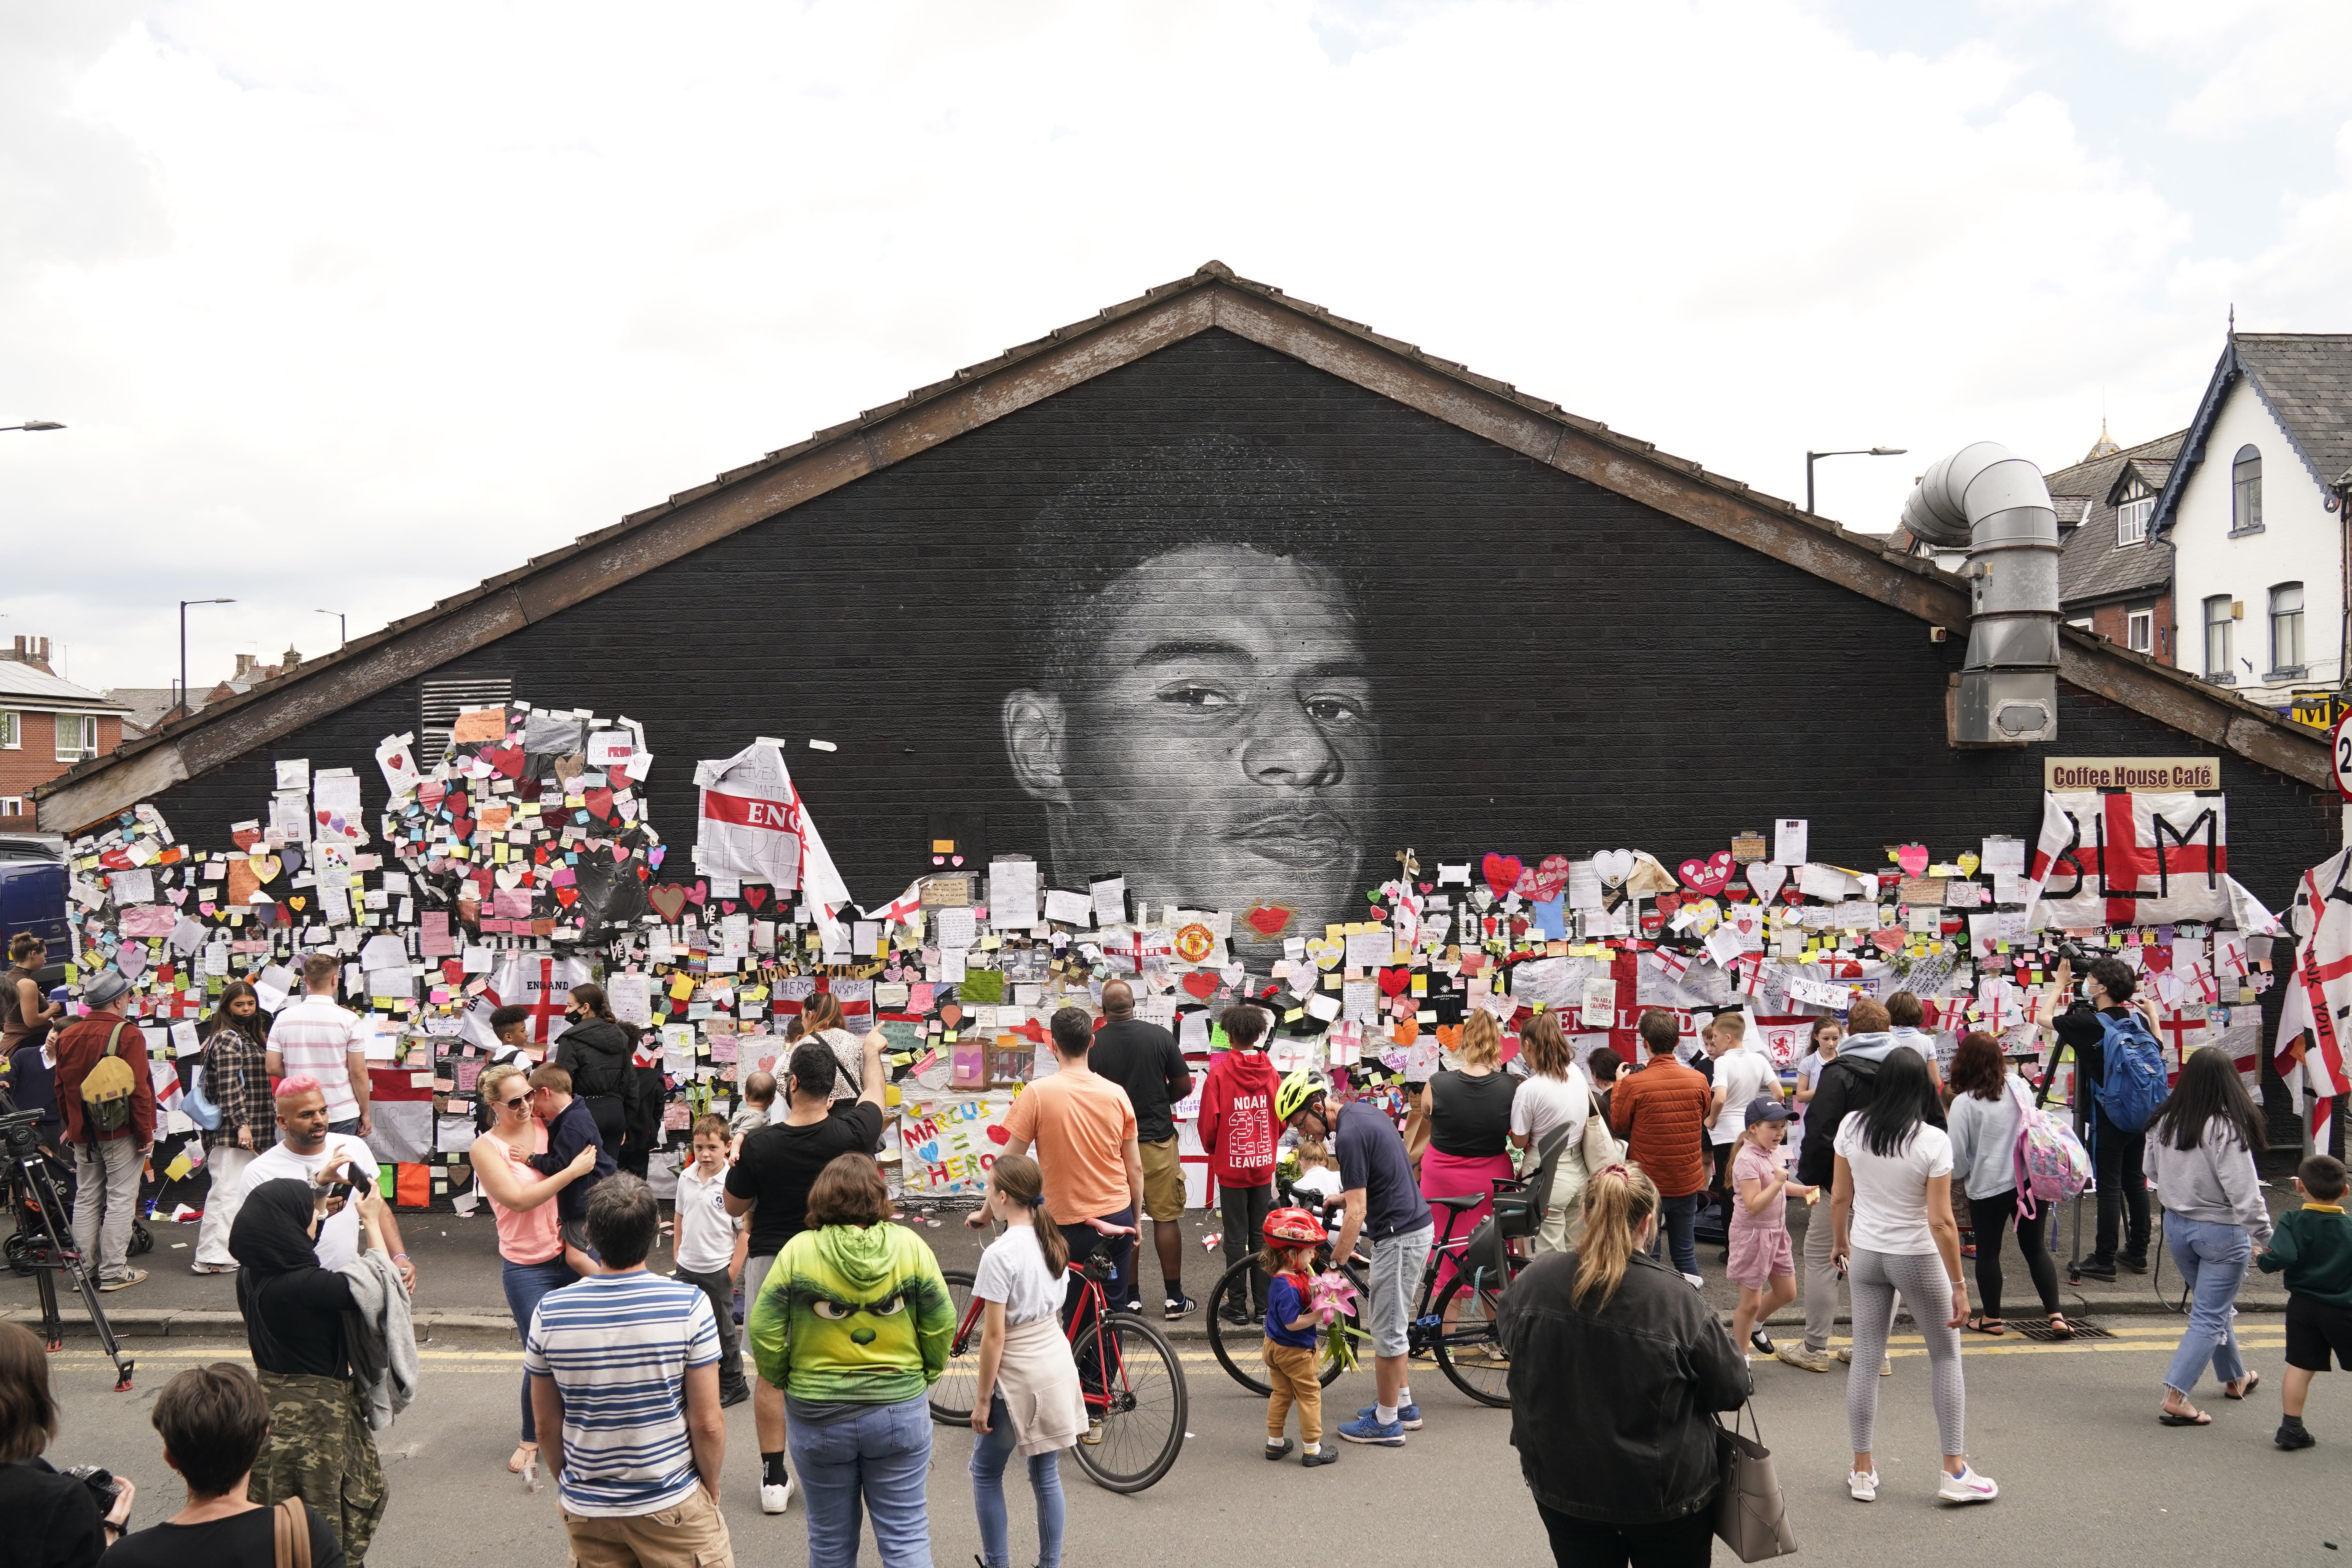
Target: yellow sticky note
681 987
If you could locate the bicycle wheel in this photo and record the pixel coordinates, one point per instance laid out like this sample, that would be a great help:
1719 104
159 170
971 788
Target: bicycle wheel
1471 1353
951 1396
1237 1345
1133 1381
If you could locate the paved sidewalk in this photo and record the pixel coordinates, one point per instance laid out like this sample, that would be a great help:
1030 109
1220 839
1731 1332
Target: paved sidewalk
458 1281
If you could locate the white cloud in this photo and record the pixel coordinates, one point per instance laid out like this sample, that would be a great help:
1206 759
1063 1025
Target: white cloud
351 315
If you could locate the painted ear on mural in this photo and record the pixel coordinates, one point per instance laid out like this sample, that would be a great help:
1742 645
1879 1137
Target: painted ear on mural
1034 739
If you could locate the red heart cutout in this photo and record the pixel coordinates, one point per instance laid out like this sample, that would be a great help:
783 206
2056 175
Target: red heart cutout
697 893
325 816
726 906
1707 876
567 897
246 837
600 801
668 901
755 897
1551 878
1394 982
1501 871
1886 939
463 827
1269 919
506 760
1201 984
453 971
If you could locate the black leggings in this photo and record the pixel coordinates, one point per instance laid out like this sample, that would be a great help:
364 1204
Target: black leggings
1684 1542
1990 1216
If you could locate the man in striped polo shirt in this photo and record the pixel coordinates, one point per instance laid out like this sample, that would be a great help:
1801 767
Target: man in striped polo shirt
625 1386
316 1038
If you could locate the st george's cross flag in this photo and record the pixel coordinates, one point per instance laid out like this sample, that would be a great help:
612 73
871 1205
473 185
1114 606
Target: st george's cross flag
2313 1054
754 824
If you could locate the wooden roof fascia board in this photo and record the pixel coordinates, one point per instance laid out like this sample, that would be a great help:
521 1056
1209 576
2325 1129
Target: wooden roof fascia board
70 807
2180 703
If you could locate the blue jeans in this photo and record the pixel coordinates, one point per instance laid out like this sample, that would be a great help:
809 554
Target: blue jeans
1085 1241
524 1284
878 1456
348 1129
2212 1259
1677 1217
989 1458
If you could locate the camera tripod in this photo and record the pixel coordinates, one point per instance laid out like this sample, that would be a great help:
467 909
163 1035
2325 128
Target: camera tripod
44 1239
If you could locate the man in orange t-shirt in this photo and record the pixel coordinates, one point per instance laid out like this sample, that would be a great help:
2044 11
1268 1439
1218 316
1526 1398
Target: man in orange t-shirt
1082 1126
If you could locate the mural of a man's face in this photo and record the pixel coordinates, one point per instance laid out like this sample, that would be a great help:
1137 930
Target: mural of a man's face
1216 742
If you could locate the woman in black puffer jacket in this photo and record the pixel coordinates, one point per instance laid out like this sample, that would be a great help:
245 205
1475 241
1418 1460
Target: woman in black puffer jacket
598 1050
1617 1367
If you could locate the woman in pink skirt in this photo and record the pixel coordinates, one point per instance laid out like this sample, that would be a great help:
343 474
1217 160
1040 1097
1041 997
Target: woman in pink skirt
1763 1265
1469 1117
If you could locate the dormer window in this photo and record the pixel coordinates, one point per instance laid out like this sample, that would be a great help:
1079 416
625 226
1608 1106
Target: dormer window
2131 521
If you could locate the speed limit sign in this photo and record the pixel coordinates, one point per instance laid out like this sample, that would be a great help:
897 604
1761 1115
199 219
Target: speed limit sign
2340 752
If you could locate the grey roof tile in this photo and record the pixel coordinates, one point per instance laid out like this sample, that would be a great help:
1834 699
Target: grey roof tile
2093 568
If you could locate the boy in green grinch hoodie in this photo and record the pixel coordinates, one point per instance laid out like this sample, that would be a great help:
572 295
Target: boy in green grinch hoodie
853 1324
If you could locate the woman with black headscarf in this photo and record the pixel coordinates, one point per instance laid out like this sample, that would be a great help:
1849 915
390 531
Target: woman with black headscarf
320 1449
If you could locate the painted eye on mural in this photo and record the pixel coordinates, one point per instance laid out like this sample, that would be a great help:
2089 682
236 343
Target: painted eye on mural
832 1311
1192 695
1333 709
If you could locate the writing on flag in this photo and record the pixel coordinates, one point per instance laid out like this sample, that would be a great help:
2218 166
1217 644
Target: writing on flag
2119 859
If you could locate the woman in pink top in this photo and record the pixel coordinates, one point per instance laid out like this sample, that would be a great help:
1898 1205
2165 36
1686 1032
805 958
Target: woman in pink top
528 1238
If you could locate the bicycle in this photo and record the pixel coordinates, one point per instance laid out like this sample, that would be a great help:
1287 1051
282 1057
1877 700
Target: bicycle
1470 1353
1128 1373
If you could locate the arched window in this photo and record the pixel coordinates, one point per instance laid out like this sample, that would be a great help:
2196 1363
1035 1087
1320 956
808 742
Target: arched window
2286 629
2246 492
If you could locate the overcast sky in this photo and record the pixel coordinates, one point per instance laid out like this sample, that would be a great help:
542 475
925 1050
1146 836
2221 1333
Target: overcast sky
349 307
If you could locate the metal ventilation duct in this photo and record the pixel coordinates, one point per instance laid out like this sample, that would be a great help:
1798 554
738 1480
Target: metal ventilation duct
1993 503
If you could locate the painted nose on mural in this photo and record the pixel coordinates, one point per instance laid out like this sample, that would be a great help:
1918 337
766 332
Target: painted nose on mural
1286 746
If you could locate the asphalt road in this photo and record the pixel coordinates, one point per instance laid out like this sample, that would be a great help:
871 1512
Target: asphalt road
2070 1432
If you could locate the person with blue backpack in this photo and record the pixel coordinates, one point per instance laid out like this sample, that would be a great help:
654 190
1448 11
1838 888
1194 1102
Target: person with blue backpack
2119 1082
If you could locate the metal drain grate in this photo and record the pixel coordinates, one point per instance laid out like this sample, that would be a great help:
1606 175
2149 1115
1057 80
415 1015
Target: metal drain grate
2039 1330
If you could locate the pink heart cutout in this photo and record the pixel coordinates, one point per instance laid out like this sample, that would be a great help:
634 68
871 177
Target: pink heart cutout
1912 859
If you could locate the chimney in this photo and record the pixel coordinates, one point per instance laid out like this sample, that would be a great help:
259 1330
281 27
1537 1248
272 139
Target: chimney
291 662
33 651
245 662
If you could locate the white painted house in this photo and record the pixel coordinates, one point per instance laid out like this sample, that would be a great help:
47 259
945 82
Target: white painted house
2255 509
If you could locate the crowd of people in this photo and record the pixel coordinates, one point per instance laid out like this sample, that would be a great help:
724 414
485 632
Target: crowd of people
1619 1368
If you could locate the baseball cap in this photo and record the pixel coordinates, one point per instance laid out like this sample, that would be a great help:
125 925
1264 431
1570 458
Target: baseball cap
1764 1108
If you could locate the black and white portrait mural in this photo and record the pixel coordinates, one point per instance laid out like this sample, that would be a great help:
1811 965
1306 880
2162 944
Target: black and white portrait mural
1197 709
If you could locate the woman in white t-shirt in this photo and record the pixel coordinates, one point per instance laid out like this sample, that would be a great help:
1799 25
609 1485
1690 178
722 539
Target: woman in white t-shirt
1891 1209
1553 1097
1027 1396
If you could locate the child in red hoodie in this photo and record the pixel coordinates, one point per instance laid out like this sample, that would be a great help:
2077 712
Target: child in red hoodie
1238 1129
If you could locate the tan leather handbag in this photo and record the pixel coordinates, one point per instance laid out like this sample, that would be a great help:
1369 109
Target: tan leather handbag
1751 1516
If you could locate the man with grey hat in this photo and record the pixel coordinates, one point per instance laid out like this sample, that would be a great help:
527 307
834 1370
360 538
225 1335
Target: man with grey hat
110 1125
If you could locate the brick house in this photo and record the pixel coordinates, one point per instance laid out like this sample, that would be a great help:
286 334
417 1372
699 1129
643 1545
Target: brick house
47 724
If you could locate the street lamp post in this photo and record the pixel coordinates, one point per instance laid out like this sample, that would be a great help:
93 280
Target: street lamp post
183 703
34 425
342 624
1811 458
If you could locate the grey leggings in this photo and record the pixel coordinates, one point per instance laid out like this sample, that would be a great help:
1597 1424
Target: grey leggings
1876 1277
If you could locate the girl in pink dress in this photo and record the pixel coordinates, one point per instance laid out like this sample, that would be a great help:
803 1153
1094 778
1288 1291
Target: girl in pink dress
1763 1264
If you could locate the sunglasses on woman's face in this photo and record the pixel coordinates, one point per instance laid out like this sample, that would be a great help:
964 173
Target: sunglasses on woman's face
518 1099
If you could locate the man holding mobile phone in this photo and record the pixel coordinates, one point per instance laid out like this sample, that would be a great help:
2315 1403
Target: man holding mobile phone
307 1151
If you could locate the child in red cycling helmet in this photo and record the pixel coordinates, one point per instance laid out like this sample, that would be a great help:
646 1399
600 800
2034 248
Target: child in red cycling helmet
1293 1365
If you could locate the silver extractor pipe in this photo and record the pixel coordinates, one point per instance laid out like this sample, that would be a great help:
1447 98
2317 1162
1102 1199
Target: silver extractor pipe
1994 503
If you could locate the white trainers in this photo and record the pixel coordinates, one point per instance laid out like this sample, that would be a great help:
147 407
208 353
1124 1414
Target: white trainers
1967 1487
1862 1485
775 1500
1698 1282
